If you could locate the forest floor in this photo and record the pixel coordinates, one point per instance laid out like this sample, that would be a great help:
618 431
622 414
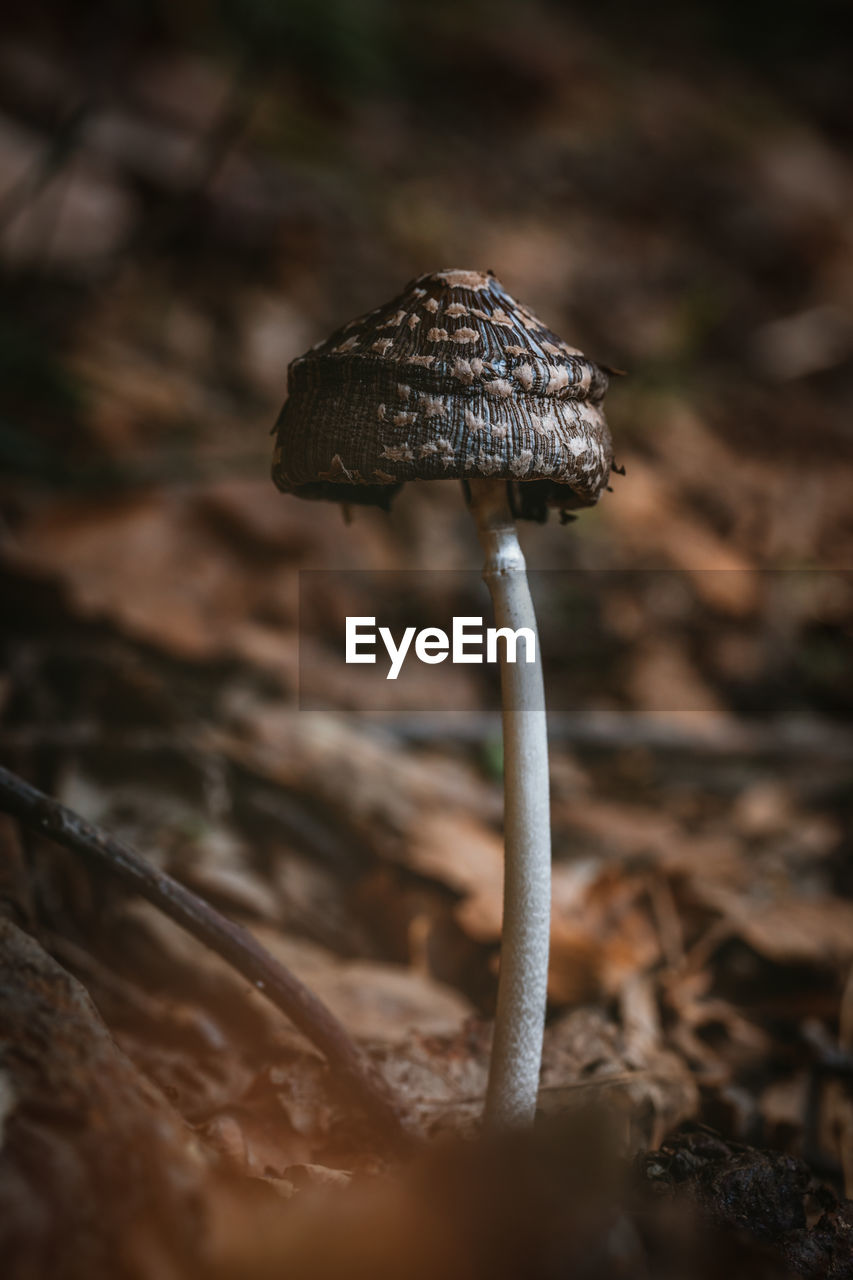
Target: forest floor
173 230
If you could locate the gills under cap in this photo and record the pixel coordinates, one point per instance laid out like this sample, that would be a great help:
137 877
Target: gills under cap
451 379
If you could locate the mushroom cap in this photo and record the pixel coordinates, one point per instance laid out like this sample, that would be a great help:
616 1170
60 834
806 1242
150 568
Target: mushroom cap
452 378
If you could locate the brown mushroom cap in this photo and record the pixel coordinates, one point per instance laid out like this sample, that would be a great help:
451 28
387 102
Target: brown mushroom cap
452 378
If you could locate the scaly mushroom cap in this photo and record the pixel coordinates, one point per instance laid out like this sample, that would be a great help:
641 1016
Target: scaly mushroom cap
453 378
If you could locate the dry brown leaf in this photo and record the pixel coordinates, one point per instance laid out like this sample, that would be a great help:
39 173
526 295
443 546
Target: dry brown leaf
363 779
625 832
662 681
236 890
600 936
285 1118
652 518
191 570
75 220
375 1001
590 1059
146 564
441 1078
467 856
789 930
783 1106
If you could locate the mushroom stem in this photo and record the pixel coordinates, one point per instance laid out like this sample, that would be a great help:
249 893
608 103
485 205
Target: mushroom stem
522 986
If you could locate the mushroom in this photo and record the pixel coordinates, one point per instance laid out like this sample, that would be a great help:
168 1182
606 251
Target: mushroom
453 378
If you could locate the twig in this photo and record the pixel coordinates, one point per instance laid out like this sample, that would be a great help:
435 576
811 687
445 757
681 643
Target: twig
230 941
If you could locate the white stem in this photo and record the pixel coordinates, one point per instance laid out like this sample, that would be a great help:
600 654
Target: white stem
522 986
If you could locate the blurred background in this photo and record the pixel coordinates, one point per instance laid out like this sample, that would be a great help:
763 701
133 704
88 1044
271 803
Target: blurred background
190 195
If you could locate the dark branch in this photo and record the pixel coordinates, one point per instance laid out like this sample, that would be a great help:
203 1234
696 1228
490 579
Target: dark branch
235 944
